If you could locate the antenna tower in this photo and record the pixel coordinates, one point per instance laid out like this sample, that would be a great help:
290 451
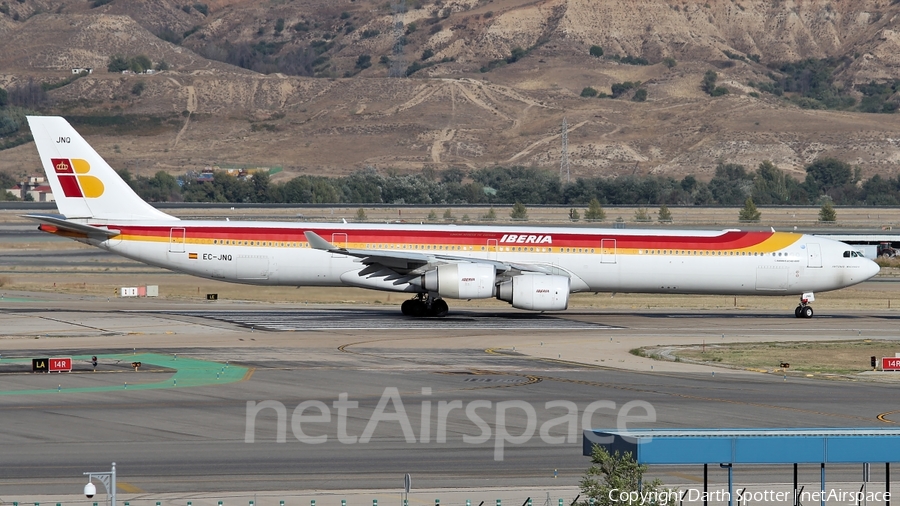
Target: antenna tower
398 7
564 155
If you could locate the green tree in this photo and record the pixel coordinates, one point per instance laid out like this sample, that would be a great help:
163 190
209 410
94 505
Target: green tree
749 211
594 211
432 216
574 215
619 472
596 51
829 173
117 63
709 84
262 188
361 215
138 88
519 212
641 215
140 63
827 213
669 62
664 214
709 81
4 97
640 95
771 185
618 89
517 54
8 124
364 61
491 215
448 216
731 184
588 92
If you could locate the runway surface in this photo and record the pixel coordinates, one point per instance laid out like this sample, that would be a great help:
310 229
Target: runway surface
364 319
459 382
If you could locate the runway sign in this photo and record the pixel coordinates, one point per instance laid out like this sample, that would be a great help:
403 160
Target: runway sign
40 364
890 364
60 364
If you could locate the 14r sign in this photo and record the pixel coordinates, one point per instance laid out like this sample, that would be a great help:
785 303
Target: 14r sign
60 364
890 363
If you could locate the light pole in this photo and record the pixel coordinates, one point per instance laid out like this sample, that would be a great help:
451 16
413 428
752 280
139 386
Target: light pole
108 479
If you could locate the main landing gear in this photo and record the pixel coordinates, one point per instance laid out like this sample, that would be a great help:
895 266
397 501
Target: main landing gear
804 310
424 305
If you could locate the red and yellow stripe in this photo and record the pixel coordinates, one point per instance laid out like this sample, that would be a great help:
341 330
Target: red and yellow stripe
457 240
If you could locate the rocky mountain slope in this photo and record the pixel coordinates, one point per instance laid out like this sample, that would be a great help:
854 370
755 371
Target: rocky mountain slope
450 113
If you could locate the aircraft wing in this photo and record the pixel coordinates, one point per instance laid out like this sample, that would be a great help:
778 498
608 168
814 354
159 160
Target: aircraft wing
406 262
55 223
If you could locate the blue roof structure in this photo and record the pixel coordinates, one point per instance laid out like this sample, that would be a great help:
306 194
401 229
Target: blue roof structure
750 446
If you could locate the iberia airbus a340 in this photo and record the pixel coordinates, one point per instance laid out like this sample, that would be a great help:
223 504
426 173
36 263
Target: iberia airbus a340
531 268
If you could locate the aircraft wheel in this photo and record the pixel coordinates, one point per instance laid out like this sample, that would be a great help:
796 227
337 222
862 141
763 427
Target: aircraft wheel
807 312
418 308
797 311
439 308
407 307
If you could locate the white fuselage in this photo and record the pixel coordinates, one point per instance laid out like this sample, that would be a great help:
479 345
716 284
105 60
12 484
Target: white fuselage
596 260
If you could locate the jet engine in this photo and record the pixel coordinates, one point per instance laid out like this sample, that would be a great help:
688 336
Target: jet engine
460 281
536 292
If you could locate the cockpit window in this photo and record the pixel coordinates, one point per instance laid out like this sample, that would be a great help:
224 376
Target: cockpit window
847 254
852 254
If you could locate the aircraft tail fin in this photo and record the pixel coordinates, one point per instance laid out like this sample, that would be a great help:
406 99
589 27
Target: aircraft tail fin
83 184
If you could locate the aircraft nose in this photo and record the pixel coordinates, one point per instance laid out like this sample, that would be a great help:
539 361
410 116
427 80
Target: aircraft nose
871 268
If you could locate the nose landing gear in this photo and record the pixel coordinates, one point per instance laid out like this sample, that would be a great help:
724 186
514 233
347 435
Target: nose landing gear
804 310
424 305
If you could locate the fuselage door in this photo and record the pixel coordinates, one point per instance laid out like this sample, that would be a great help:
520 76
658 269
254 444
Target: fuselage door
607 251
813 255
176 240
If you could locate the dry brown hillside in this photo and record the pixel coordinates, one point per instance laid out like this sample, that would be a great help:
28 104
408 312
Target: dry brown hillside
451 113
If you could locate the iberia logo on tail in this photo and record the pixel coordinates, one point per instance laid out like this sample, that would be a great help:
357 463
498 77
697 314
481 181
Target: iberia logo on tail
74 180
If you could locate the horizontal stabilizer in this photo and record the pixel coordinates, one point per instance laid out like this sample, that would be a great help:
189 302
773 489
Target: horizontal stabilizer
81 228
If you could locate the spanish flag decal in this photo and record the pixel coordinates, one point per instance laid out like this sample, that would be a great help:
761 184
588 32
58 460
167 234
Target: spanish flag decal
192 256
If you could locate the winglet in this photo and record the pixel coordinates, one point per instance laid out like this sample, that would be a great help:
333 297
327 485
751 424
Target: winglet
316 242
